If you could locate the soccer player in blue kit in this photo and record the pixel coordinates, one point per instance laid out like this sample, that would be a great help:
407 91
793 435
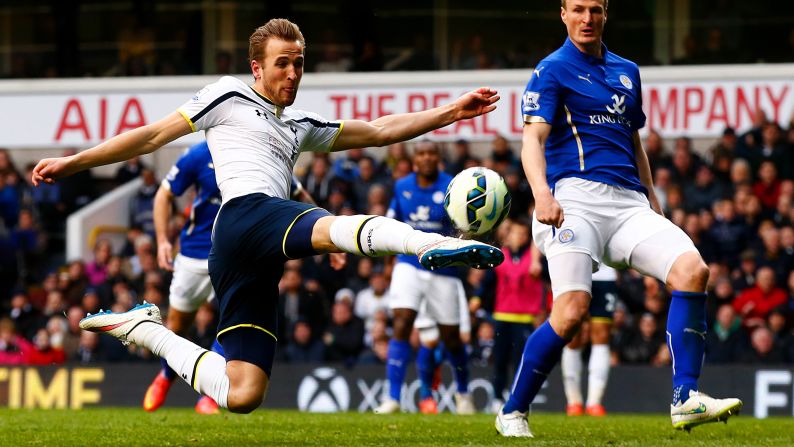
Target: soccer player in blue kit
255 138
594 202
419 201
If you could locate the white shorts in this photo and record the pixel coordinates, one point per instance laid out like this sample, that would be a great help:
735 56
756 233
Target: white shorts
440 295
190 286
607 223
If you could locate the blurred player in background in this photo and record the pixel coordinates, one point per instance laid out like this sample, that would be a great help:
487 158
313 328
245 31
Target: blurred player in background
191 286
594 202
602 308
431 356
255 140
419 202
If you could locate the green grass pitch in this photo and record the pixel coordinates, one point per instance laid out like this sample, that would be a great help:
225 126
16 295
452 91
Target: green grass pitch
182 427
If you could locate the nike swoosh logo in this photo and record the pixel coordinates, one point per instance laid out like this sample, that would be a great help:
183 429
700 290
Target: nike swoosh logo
699 410
492 214
110 327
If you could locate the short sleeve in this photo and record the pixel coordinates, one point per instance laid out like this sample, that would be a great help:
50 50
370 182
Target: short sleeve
211 105
539 102
394 207
183 174
321 133
638 122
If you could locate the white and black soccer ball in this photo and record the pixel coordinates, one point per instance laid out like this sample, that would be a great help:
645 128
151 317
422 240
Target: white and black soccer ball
477 201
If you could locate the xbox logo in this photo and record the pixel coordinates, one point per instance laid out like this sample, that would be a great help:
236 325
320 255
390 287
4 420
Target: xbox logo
323 391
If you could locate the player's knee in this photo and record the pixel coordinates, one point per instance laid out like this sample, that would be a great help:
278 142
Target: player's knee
571 313
689 273
246 404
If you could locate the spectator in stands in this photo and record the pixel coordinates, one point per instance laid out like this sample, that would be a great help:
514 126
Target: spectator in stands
729 232
702 239
373 299
721 294
333 59
77 190
768 186
203 330
25 317
318 181
143 245
684 163
9 202
482 349
502 155
10 348
764 349
378 354
725 147
345 167
363 182
360 279
781 331
662 182
46 201
41 351
657 153
89 350
297 303
130 170
96 270
754 304
726 341
770 147
773 255
344 338
520 193
394 153
644 345
303 346
704 190
141 204
461 154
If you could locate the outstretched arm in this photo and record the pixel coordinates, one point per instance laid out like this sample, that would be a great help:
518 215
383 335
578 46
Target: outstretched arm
142 140
644 168
404 126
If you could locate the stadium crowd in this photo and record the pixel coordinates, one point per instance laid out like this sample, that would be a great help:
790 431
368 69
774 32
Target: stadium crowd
734 201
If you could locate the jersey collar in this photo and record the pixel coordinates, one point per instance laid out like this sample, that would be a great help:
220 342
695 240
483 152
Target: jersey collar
274 109
571 49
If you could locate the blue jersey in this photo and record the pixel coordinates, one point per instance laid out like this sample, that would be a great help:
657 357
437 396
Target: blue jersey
195 168
423 209
594 105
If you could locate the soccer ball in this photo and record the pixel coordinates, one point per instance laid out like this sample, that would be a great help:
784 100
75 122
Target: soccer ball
477 201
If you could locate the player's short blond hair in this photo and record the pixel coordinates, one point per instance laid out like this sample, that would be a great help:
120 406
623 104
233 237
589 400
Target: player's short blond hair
606 4
278 28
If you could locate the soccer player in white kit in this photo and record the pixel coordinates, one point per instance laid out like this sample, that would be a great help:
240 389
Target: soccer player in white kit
594 202
255 138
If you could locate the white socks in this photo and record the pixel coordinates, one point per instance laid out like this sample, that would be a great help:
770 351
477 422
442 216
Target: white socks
571 365
378 236
597 378
599 373
203 370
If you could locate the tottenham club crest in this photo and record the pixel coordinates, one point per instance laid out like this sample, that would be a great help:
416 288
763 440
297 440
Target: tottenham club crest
565 236
531 101
626 81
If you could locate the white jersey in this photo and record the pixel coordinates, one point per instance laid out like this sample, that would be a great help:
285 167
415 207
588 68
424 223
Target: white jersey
254 143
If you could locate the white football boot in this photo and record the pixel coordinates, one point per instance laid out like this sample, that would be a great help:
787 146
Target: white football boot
388 406
452 251
121 325
464 404
512 425
702 409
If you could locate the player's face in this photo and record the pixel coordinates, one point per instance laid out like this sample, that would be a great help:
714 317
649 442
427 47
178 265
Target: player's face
584 20
281 71
426 161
